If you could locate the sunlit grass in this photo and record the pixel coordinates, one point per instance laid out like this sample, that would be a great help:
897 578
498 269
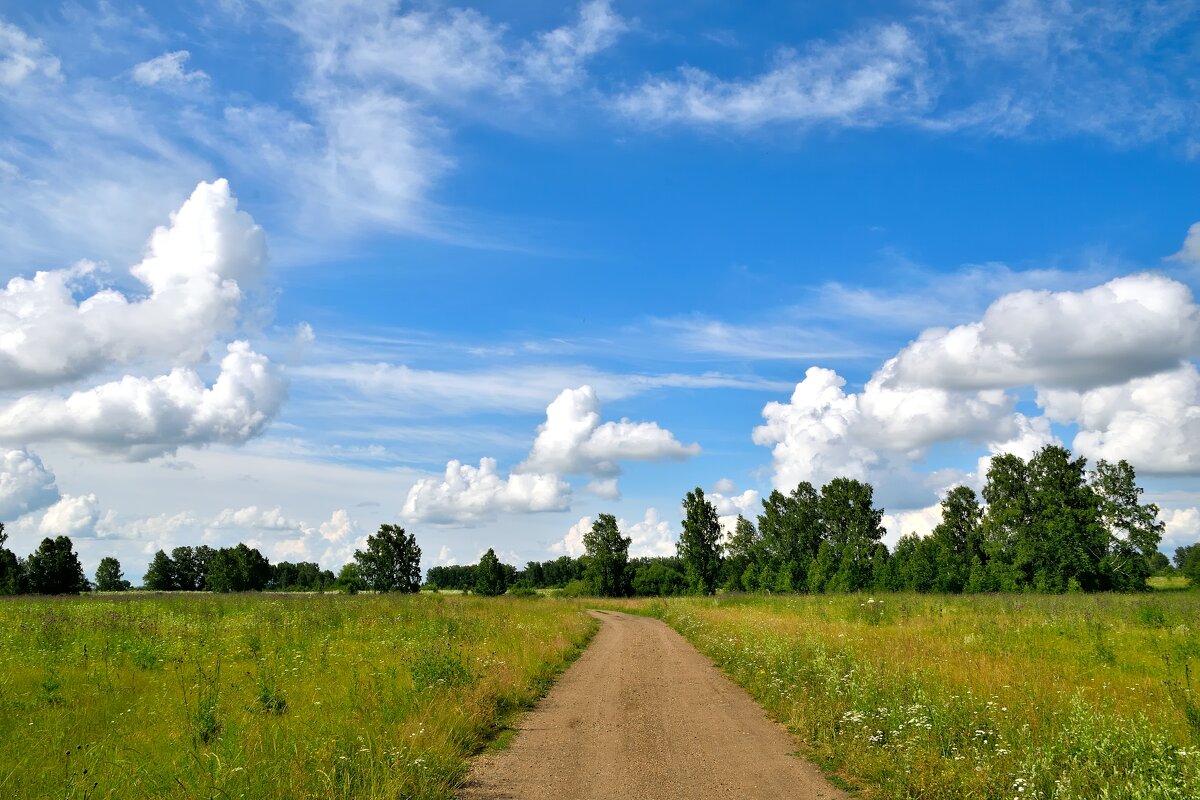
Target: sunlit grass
265 696
977 696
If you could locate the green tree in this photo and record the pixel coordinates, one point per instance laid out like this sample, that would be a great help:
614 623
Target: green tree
853 526
12 571
658 580
790 529
743 550
1007 527
958 538
160 574
608 554
1068 543
490 575
238 569
349 580
391 562
1134 530
1187 561
699 545
55 569
108 576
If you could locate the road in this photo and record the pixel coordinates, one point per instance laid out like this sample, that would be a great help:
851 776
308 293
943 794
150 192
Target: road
643 715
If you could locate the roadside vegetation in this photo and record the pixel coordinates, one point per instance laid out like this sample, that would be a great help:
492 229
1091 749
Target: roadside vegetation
259 696
984 696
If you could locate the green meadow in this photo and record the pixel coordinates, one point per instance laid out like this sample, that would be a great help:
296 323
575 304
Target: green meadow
978 696
266 696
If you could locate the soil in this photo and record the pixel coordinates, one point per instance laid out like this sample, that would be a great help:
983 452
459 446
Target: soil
643 715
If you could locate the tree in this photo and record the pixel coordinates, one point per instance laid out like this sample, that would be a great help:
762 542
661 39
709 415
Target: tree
699 545
160 575
1134 529
1068 544
1007 527
1187 561
958 539
349 580
790 528
108 576
741 552
238 569
658 579
608 553
853 526
55 569
12 571
391 562
490 575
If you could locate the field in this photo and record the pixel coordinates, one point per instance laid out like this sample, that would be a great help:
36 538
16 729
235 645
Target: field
972 696
202 696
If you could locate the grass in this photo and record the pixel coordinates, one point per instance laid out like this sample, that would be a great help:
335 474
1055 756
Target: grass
1171 583
972 697
266 696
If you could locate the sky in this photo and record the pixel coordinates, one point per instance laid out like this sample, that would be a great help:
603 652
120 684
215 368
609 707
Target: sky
281 271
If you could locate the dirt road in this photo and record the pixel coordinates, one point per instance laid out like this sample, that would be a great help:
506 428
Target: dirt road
642 715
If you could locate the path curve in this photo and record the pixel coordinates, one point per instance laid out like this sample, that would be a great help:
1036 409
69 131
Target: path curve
643 715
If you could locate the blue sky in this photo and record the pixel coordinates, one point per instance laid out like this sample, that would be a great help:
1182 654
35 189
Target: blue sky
297 259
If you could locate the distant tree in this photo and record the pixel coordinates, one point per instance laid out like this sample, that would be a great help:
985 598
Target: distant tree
160 575
489 575
699 545
238 569
608 552
1159 564
658 579
1069 542
1134 529
1187 561
460 577
790 530
55 569
108 576
12 570
852 526
1007 528
189 574
391 562
349 580
958 539
743 549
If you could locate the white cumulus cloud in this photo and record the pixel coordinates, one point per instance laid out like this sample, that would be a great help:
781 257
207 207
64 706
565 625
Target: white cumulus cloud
74 516
650 537
466 494
25 484
572 440
195 272
142 418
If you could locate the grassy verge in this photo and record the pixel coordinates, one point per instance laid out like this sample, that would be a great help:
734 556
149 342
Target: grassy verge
972 697
266 697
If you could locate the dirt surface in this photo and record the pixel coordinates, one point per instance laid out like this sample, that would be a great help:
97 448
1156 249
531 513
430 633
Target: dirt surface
643 715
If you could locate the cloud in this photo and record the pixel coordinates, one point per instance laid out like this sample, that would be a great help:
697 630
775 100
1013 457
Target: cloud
1152 422
141 418
652 537
920 521
1182 527
444 53
1190 252
22 56
862 80
254 518
572 440
25 484
572 543
731 504
195 270
516 388
1129 327
467 495
168 69
74 516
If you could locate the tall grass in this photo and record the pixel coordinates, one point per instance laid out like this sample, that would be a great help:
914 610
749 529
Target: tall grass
973 697
265 696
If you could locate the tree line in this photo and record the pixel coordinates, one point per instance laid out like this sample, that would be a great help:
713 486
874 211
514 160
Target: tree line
1046 524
